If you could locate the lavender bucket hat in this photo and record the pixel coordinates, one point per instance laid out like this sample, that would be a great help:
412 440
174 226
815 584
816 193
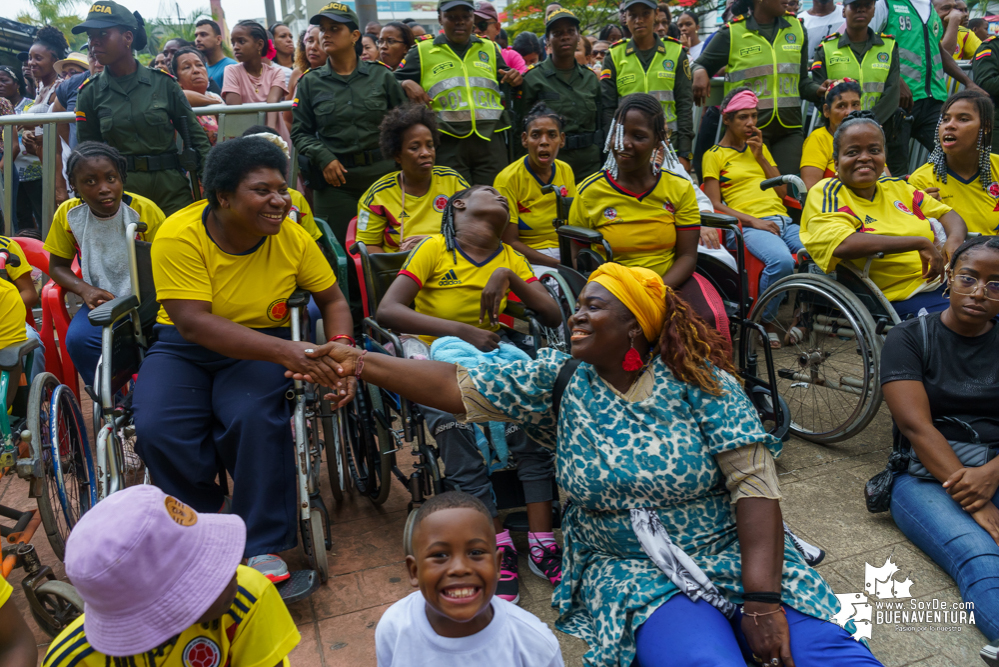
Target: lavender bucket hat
148 566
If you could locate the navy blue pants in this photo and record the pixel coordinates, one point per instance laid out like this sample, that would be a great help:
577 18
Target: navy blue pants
932 301
193 407
83 342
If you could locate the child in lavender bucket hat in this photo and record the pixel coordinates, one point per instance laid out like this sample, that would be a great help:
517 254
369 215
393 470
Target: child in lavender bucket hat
162 586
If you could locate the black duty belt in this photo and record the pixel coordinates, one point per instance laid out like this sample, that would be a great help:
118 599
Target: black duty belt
160 162
576 141
362 159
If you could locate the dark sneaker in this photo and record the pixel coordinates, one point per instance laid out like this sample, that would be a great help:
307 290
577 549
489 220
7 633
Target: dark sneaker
546 562
509 581
813 555
271 566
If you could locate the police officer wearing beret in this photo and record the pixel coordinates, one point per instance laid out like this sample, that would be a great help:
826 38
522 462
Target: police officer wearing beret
569 89
137 109
337 110
459 76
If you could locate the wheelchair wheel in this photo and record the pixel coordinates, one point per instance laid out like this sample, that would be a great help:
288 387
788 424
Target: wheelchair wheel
363 462
336 461
558 337
314 543
827 367
388 444
58 605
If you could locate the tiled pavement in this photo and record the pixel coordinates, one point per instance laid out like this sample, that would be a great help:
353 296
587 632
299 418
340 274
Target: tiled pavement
823 501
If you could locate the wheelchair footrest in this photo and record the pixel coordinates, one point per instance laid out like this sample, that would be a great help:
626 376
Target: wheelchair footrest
301 585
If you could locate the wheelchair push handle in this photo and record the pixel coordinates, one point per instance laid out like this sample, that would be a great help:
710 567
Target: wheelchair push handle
784 179
562 204
7 259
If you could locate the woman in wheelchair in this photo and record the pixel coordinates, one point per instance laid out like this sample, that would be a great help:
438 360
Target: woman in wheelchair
859 214
404 207
531 231
212 386
649 215
817 161
459 281
961 170
733 170
92 227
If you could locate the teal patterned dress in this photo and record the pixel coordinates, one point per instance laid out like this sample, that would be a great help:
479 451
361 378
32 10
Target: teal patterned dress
614 455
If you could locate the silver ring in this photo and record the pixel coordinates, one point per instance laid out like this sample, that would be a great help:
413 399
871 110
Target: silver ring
775 662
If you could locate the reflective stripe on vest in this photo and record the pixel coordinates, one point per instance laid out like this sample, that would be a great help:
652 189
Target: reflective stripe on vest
872 73
771 71
920 62
462 90
658 80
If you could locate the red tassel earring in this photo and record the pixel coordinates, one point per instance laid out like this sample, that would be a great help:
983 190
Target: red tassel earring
632 359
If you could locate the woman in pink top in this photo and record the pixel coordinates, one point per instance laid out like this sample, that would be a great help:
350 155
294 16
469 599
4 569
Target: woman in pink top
254 79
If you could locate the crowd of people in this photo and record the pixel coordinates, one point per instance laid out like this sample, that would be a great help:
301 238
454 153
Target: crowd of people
455 148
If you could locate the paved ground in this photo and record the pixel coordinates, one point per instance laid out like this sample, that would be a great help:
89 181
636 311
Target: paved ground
822 488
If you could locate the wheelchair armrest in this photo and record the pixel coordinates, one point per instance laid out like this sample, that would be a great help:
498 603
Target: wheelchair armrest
299 298
718 220
382 336
108 313
11 355
581 234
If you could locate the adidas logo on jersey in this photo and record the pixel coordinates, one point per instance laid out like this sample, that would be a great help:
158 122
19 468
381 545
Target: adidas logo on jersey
450 278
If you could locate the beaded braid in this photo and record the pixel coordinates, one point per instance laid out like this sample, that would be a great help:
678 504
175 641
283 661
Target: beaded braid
94 149
448 228
986 112
653 110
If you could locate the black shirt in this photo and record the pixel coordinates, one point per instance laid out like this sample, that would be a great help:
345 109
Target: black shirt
958 373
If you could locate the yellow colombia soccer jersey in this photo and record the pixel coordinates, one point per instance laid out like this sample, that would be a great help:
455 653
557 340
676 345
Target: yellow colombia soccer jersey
380 210
530 210
300 206
73 212
257 630
14 249
833 212
739 176
967 44
251 289
980 209
12 314
817 151
451 287
641 229
5 590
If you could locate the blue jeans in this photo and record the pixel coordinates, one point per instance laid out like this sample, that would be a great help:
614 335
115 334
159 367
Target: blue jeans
38 356
927 515
774 251
83 342
682 632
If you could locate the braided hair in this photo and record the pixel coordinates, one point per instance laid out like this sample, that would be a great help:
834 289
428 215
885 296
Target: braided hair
688 346
990 242
986 110
87 150
53 40
653 111
257 31
837 90
855 118
448 228
541 110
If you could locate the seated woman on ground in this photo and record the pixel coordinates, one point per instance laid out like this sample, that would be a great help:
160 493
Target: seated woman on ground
404 207
190 68
722 508
649 215
20 277
92 227
962 168
531 231
459 281
873 214
947 502
224 269
733 170
817 161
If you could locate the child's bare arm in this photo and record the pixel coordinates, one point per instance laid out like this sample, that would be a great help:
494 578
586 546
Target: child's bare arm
17 643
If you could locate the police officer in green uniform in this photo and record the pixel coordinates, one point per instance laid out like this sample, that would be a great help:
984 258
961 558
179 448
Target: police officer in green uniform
766 49
337 110
569 89
647 63
137 109
985 69
459 76
864 56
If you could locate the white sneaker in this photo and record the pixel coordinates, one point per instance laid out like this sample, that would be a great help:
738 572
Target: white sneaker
812 554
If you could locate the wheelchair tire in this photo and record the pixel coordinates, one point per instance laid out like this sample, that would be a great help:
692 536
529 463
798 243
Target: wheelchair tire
333 438
559 290
363 459
388 444
59 604
828 365
314 543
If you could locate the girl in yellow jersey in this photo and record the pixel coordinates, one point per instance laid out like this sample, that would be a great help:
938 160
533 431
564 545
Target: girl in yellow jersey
855 215
648 215
817 162
404 207
961 170
532 212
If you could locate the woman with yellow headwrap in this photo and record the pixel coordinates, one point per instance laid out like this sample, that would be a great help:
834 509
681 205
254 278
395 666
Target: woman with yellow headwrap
674 517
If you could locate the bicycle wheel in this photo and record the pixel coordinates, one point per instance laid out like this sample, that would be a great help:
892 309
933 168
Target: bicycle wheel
71 456
59 604
558 337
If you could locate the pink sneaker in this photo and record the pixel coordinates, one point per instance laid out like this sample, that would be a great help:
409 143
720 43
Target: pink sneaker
546 562
509 581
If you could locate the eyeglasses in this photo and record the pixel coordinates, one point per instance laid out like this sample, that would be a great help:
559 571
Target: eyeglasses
968 285
599 53
387 41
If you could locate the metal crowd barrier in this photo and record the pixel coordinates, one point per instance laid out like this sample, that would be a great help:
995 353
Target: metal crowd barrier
232 122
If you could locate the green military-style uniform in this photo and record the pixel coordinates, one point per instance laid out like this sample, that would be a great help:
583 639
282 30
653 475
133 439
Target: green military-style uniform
985 72
873 63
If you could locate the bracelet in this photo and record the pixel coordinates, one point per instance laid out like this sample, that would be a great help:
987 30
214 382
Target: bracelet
762 613
339 336
762 597
359 364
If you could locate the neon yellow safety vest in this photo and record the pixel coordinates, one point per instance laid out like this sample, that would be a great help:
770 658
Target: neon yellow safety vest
772 72
658 80
872 73
464 93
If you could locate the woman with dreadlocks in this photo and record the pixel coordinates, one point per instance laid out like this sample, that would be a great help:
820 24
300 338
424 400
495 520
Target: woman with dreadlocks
674 551
648 213
459 281
961 170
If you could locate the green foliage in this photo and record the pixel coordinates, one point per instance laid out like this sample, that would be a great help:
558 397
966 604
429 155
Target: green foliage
60 14
162 30
529 14
983 7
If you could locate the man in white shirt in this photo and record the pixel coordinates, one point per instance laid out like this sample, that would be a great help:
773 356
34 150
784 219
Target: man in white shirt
820 21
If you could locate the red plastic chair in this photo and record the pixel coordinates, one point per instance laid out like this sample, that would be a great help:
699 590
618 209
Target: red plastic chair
35 253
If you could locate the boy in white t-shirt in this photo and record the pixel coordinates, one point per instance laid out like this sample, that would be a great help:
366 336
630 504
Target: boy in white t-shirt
455 619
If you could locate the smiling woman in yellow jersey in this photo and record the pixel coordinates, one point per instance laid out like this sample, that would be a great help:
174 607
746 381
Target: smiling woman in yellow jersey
532 212
407 202
224 270
817 161
856 215
961 171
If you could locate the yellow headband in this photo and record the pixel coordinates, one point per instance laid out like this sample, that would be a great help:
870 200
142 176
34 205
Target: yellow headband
642 291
